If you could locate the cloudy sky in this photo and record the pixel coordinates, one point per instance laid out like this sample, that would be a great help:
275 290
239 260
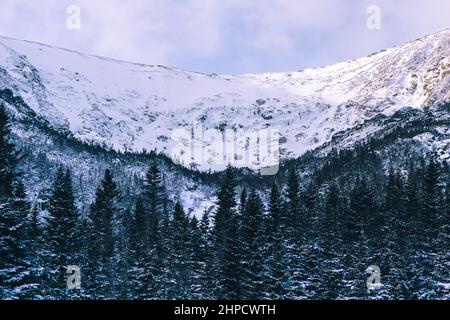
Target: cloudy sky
224 36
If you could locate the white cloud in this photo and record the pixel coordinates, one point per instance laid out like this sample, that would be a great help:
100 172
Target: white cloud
256 35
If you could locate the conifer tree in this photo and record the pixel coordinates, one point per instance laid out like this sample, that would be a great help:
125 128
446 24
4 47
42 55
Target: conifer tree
10 250
293 196
123 256
432 193
274 250
8 158
179 255
207 276
62 235
224 234
294 240
154 196
35 256
252 247
141 271
17 281
103 212
330 242
195 260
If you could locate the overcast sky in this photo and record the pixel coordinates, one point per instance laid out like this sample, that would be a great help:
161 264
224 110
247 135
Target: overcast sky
225 36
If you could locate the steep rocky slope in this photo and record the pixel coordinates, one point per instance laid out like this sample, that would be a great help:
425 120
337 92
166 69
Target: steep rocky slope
133 106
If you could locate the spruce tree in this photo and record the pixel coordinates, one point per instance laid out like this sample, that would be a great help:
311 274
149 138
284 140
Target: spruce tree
17 281
274 246
104 211
35 256
8 158
10 251
142 254
62 236
154 199
429 229
294 238
252 247
179 255
328 241
156 221
195 261
225 233
432 194
206 270
356 236
122 255
293 196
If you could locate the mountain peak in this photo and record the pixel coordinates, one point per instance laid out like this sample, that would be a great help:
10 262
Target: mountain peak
135 106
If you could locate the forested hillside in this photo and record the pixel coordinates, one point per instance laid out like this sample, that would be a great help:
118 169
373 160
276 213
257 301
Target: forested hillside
309 232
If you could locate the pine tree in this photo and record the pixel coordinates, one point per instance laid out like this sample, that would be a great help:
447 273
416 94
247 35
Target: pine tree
154 196
15 273
242 202
8 158
103 212
161 271
293 196
206 250
142 255
355 238
294 240
225 233
274 251
140 227
195 260
432 194
62 235
412 197
410 220
329 242
252 247
441 272
35 256
179 256
123 256
427 251
157 232
11 253
230 267
435 230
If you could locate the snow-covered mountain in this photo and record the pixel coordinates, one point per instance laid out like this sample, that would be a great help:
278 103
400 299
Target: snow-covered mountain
132 106
366 178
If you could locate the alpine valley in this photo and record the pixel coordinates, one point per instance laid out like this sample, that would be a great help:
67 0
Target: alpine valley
87 179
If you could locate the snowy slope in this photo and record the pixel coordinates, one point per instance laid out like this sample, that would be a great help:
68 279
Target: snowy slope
134 106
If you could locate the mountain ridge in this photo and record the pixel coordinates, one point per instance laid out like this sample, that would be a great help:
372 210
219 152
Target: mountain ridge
221 74
131 106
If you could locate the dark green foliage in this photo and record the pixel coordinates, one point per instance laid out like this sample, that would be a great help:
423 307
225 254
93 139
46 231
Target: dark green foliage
154 195
62 236
311 234
251 250
15 280
8 159
225 237
274 250
104 211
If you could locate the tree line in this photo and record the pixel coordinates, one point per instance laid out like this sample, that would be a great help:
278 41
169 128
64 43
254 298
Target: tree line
293 241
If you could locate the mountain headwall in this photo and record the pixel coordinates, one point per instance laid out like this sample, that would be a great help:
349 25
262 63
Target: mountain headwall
134 106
